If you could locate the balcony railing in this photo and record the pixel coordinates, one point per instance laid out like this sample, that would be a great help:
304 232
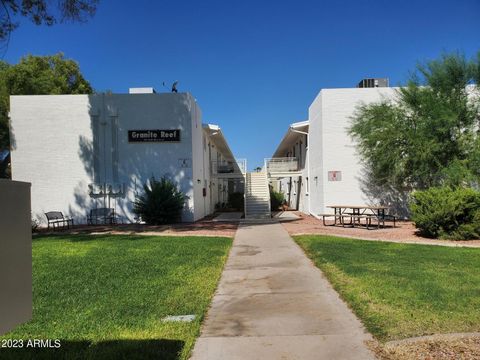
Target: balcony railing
281 165
226 168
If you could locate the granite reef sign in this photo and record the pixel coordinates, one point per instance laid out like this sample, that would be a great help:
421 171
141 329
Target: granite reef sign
154 135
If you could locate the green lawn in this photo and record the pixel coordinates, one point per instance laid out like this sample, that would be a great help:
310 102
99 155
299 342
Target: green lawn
401 290
105 296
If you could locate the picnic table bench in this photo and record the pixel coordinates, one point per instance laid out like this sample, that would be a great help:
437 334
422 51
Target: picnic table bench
351 215
56 219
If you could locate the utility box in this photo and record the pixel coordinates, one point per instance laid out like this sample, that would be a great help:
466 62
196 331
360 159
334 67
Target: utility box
15 254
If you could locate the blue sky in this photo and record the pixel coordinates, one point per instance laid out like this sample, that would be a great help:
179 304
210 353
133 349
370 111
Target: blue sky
255 66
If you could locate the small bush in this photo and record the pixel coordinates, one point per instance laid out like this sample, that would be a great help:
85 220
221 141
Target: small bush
161 202
443 212
236 200
276 199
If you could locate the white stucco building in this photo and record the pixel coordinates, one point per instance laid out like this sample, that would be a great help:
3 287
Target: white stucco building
86 151
329 170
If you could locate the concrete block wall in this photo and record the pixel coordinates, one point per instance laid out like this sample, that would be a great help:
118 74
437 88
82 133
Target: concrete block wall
57 140
332 149
315 149
138 162
48 134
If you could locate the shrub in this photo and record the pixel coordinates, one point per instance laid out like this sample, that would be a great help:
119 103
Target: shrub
276 199
161 202
448 213
236 200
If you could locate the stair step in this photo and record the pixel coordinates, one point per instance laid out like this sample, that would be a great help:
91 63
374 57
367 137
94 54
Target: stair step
257 196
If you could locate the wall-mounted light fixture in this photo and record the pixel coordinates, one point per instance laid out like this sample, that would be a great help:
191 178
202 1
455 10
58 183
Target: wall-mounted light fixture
199 181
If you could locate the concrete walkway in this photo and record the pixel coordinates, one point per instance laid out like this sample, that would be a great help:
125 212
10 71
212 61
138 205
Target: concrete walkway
229 216
273 303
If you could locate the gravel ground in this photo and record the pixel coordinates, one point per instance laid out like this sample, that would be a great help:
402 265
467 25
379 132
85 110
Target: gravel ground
404 232
199 228
441 347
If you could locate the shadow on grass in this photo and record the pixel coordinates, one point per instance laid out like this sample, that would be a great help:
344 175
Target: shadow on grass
128 229
105 350
86 237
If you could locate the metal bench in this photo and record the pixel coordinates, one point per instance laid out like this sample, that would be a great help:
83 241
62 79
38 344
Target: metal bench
101 216
56 219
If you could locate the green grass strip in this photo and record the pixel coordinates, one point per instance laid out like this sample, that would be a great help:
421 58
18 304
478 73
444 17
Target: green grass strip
402 290
104 296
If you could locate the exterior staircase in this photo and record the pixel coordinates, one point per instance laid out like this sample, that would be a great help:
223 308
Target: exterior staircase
257 196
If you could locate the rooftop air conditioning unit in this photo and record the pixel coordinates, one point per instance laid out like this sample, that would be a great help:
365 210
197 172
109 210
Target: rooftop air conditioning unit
373 83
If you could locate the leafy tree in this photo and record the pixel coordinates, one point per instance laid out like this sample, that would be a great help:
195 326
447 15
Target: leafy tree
4 106
428 134
43 12
37 75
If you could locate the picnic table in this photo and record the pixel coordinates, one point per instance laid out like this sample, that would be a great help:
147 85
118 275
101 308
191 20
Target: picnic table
351 215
